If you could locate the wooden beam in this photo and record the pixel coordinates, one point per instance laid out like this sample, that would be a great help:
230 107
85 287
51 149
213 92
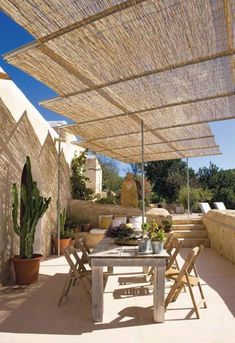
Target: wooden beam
229 23
89 20
4 76
230 52
152 130
176 150
129 160
158 143
146 112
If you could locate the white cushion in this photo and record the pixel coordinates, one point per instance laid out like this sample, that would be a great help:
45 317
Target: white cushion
204 206
97 231
104 215
220 206
136 223
116 222
138 218
123 219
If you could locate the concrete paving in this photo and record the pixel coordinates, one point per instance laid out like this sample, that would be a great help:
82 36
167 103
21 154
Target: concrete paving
30 314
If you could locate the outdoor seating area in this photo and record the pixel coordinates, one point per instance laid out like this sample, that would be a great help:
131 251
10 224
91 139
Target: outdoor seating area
32 313
109 229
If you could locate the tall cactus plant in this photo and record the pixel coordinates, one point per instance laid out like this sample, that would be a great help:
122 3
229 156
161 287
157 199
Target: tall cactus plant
32 208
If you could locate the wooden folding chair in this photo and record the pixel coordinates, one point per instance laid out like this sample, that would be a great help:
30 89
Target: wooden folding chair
81 244
183 277
168 241
77 272
172 246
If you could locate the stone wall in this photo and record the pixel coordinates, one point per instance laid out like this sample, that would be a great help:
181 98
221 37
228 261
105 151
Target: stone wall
24 132
88 211
221 231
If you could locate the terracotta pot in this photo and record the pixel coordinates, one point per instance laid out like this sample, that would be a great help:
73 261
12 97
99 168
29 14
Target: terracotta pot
72 242
64 243
26 269
86 227
77 229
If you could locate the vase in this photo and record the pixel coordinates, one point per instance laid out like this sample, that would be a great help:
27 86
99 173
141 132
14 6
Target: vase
86 227
145 245
64 243
26 269
157 247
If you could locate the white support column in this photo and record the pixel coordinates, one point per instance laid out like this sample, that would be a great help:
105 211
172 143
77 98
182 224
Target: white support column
142 170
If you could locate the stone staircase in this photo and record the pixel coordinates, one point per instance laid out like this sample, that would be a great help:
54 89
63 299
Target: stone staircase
191 231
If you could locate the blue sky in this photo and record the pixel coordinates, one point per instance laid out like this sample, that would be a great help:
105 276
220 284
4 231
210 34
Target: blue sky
13 36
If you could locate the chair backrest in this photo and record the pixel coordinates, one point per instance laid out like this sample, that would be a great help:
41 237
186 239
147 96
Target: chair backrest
168 240
219 206
74 261
204 206
190 261
81 244
173 250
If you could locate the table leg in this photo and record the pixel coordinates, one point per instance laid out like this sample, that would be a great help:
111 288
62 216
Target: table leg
110 270
159 294
97 294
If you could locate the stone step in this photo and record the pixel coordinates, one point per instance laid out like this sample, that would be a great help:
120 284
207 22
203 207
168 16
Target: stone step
186 221
176 227
190 233
193 242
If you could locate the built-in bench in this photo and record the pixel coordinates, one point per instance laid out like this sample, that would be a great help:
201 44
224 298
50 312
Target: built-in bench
88 211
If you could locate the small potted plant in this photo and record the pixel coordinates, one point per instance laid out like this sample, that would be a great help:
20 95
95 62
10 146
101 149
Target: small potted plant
72 224
30 206
65 235
157 236
145 242
167 224
86 226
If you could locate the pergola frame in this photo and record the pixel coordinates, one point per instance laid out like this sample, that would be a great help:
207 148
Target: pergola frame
56 56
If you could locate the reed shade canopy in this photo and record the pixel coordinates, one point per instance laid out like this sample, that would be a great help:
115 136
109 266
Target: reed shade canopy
113 63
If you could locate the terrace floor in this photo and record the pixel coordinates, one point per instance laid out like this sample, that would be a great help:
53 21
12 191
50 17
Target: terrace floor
30 314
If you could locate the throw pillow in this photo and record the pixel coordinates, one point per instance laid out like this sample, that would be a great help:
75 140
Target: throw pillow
105 223
116 222
123 219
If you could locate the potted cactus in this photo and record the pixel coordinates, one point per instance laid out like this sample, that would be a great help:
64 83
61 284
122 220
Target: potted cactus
30 206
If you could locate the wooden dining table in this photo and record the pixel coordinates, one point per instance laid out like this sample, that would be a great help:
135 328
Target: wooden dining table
108 254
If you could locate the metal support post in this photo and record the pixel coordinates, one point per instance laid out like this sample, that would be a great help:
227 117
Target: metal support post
142 170
188 190
58 192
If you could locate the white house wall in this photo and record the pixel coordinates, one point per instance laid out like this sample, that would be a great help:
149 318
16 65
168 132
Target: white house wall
23 131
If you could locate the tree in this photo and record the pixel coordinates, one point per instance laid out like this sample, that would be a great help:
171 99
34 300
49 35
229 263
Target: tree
220 182
208 177
167 177
78 180
111 180
195 196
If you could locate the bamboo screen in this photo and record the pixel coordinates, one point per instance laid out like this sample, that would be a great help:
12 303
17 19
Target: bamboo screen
114 63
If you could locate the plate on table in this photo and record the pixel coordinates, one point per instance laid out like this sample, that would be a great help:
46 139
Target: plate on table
126 241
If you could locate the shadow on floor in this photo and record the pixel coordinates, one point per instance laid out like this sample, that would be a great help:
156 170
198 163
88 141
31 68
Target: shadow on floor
219 274
38 312
34 309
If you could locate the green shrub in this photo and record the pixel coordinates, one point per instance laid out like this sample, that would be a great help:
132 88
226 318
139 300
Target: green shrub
196 195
